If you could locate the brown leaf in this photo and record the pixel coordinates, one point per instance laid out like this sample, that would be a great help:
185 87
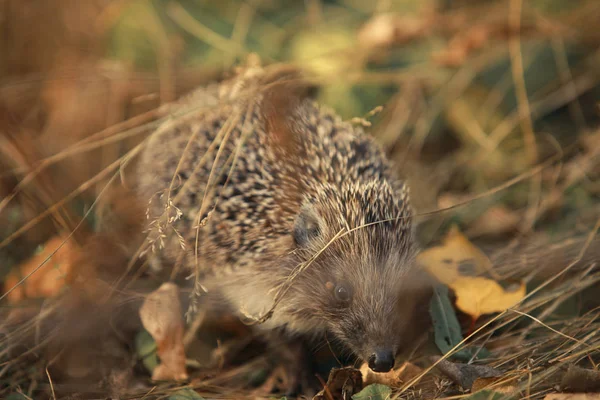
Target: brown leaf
50 278
341 384
162 317
466 374
578 379
572 396
395 378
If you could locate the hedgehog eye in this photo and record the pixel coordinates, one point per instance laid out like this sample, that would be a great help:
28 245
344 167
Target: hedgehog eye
342 293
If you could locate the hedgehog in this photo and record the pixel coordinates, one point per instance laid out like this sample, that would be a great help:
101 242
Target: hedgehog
291 214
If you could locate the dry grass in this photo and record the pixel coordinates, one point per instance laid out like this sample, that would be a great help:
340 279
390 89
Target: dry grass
503 113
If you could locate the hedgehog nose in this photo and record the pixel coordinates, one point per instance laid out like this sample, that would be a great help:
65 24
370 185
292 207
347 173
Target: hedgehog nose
382 360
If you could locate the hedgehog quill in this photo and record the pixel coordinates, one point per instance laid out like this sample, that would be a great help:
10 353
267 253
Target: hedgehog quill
288 212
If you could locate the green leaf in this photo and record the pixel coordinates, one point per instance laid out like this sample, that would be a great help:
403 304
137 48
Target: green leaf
446 327
375 391
185 394
145 348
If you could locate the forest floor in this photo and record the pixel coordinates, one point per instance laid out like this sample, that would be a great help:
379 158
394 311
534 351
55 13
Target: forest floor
489 108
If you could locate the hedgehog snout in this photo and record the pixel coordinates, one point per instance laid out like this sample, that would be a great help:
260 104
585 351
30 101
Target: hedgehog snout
382 360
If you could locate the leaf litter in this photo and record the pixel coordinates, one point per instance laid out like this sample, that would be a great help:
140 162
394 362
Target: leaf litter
162 317
459 264
466 113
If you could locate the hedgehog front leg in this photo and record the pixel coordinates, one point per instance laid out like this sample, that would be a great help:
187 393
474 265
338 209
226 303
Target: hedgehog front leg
293 355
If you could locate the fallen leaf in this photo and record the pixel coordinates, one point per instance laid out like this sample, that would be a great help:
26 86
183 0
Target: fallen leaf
573 396
455 258
501 384
479 296
459 264
145 347
341 384
185 394
577 379
465 374
447 332
50 278
162 317
375 391
395 378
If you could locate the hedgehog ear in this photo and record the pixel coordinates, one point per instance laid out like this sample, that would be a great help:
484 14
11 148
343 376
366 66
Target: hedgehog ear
307 226
281 100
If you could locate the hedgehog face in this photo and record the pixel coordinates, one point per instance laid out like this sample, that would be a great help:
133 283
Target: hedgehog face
362 282
378 319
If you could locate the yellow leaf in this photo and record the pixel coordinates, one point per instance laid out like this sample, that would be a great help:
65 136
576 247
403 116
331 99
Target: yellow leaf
460 265
477 296
456 257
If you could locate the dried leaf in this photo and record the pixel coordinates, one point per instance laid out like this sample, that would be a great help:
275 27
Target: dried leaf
162 317
466 374
341 384
578 379
457 263
375 391
573 396
479 296
456 257
394 378
50 278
